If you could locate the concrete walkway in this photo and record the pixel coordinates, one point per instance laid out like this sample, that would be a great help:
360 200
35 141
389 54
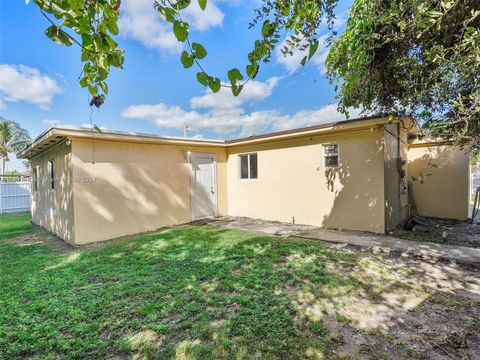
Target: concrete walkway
387 244
370 241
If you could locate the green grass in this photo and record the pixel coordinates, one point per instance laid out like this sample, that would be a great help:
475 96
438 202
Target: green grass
190 292
12 225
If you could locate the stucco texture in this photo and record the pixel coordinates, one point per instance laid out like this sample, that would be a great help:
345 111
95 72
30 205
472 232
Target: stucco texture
54 209
123 184
445 190
396 186
136 187
293 183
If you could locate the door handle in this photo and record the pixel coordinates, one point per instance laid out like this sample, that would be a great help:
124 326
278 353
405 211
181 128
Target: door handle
211 190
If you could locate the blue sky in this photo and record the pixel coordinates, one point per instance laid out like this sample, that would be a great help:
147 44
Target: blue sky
154 93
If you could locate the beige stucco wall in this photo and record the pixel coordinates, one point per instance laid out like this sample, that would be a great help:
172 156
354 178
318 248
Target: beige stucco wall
137 187
444 193
53 209
392 178
404 197
293 183
396 189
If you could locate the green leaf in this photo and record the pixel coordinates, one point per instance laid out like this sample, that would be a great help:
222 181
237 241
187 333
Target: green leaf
54 8
102 73
286 8
181 4
97 42
97 129
85 55
202 78
202 4
112 27
167 13
180 29
76 4
199 50
111 43
234 75
104 86
236 89
93 90
83 82
58 35
252 70
313 48
266 28
116 57
214 84
304 61
187 59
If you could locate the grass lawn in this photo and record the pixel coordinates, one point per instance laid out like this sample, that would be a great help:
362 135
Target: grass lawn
199 293
14 225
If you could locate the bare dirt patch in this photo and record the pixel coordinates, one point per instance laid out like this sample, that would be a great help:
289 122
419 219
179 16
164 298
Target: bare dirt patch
448 232
404 308
45 237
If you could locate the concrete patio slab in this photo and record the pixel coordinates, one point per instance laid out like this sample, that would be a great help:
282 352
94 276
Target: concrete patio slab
370 241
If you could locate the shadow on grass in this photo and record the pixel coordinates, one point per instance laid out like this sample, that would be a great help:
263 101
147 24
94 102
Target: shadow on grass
190 292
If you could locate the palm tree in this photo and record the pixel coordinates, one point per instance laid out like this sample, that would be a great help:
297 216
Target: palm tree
13 138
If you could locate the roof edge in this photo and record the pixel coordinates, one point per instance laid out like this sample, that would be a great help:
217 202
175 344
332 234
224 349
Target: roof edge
111 135
93 133
311 129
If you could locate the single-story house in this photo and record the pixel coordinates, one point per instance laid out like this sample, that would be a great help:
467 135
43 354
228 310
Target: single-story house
354 174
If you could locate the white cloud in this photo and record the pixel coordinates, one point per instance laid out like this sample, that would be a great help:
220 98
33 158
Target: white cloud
162 114
233 122
225 116
90 126
139 21
51 122
325 114
222 114
23 83
253 91
203 20
54 122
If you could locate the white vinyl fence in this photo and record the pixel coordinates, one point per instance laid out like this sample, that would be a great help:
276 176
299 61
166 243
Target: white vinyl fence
15 197
475 178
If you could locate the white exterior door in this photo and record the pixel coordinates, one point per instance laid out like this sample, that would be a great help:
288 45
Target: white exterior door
204 187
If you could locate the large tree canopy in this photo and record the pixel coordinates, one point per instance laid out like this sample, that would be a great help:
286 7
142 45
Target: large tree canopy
416 58
409 57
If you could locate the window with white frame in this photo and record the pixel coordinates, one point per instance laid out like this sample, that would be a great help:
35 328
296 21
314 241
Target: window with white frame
330 156
248 166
